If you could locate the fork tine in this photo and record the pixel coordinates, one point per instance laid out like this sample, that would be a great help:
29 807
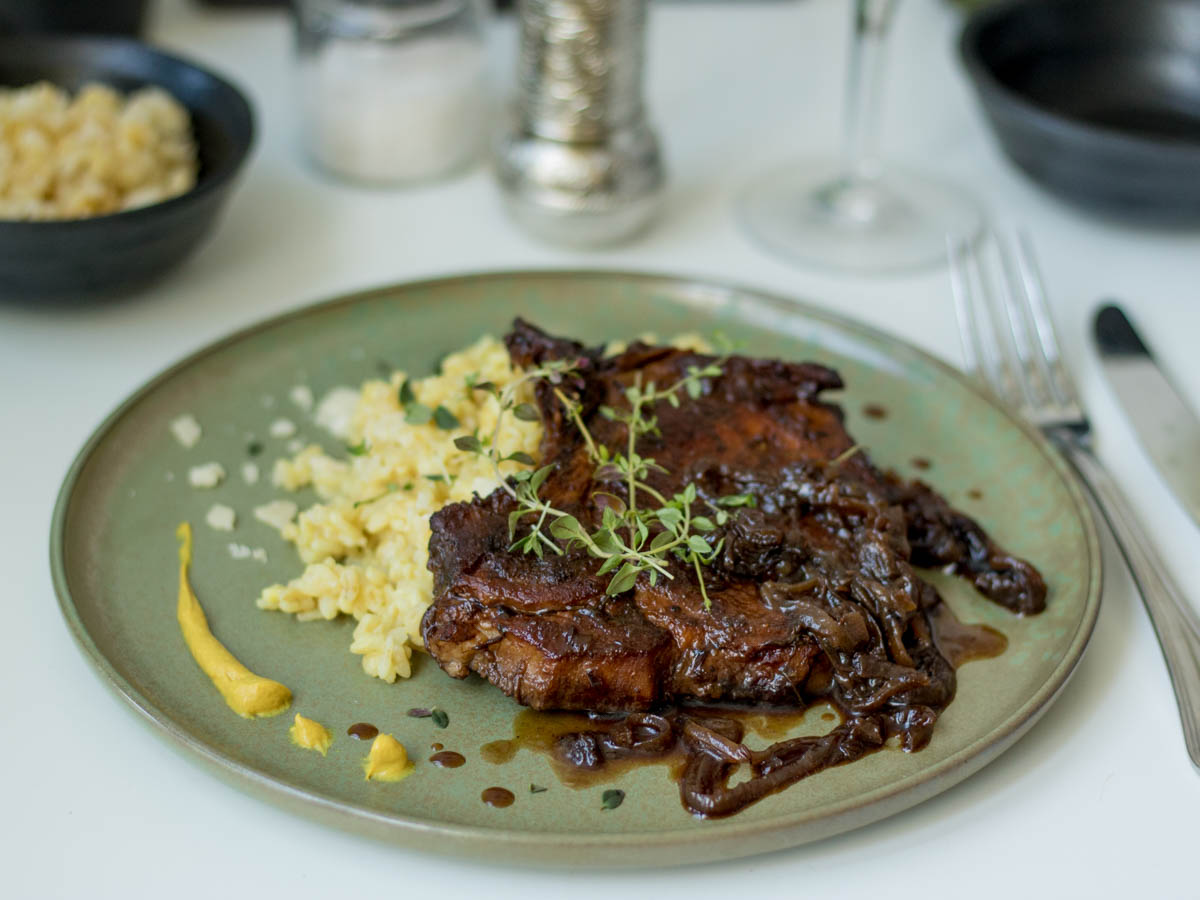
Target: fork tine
964 312
1050 359
985 342
1004 316
980 297
1031 361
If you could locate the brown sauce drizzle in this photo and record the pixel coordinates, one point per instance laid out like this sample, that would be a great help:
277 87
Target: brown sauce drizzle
961 643
975 494
499 752
875 411
436 746
364 731
703 747
447 759
920 462
546 732
498 797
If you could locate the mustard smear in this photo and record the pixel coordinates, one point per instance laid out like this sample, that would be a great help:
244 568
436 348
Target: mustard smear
387 761
247 694
310 735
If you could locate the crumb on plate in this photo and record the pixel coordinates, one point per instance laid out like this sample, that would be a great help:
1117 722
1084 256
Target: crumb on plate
221 517
278 513
186 430
208 475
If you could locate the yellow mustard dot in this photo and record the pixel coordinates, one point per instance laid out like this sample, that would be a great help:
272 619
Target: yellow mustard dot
310 734
387 761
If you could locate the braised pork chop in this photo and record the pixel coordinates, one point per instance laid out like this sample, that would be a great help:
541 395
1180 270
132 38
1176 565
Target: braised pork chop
812 594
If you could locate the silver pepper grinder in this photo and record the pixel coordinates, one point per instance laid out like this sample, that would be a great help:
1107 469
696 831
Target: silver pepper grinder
579 164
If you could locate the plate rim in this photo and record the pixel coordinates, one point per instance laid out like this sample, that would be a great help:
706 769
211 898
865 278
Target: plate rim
498 843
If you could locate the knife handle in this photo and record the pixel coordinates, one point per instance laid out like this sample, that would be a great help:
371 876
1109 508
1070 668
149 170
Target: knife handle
1174 621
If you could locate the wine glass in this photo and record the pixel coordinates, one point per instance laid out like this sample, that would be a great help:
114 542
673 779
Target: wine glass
853 214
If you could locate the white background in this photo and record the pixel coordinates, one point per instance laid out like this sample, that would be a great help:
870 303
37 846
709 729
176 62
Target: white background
1099 800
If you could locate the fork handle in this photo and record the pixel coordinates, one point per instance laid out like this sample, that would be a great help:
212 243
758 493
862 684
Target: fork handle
1174 621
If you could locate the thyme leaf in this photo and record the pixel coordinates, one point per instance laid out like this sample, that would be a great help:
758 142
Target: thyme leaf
405 395
444 419
737 500
417 414
468 443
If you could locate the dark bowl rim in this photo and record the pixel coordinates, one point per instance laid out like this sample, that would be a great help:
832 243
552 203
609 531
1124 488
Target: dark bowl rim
1045 119
208 181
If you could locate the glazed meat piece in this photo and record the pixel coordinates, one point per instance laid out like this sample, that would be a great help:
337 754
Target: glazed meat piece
812 594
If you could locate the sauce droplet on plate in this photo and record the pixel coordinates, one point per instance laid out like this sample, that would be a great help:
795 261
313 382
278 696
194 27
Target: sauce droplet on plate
447 759
498 797
875 411
364 731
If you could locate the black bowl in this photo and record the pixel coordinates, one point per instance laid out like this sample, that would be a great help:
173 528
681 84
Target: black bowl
110 254
1097 100
72 16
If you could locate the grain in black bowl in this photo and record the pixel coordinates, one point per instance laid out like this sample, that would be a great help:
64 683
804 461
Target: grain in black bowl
107 255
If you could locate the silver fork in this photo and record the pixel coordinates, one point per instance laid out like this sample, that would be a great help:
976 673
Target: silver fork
1011 346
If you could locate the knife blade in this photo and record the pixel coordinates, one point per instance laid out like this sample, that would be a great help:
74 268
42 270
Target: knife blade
1165 425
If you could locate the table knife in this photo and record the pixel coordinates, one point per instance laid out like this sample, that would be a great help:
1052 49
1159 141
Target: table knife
1165 425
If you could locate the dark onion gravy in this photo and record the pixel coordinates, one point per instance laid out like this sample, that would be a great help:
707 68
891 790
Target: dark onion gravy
704 746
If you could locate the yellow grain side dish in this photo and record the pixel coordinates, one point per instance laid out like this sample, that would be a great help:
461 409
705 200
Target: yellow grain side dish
366 544
98 152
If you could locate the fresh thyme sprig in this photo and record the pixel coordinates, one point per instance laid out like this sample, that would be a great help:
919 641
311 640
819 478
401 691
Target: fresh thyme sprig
522 485
633 538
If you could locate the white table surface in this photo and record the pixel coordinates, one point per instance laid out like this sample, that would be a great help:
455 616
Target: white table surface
1099 800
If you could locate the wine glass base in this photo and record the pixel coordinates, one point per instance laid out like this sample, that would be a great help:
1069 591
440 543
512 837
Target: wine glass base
811 213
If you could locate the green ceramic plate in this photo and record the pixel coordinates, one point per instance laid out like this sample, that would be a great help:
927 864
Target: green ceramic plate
113 554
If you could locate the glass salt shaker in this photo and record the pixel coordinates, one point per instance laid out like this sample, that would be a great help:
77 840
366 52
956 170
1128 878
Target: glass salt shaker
392 91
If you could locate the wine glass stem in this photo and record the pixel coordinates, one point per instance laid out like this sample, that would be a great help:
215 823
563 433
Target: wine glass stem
864 89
